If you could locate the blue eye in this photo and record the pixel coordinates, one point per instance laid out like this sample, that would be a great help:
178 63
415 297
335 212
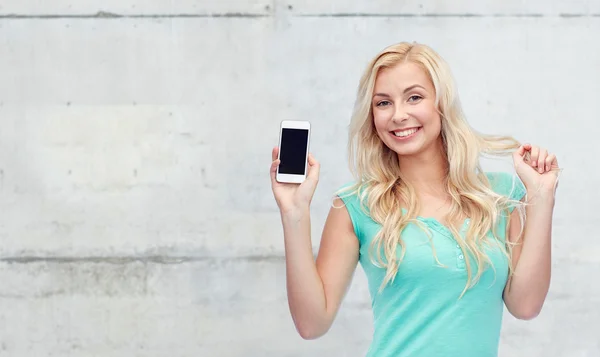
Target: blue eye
382 103
414 98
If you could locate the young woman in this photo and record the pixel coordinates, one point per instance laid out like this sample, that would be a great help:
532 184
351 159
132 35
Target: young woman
440 241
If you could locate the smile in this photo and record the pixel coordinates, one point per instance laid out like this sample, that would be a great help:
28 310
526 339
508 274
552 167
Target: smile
405 134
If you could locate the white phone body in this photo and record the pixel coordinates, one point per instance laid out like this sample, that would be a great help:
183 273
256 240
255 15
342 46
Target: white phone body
294 141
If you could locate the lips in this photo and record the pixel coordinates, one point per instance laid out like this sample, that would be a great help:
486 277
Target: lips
405 133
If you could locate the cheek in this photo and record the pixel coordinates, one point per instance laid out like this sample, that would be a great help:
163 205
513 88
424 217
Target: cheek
380 119
435 126
430 117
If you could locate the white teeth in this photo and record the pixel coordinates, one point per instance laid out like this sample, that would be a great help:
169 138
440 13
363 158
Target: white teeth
406 132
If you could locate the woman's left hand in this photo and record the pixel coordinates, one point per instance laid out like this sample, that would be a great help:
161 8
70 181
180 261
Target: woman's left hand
537 168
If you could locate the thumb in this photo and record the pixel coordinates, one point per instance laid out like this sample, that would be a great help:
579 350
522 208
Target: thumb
273 170
313 168
518 155
520 151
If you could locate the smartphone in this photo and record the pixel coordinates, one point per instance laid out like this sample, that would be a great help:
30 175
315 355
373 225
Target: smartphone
294 138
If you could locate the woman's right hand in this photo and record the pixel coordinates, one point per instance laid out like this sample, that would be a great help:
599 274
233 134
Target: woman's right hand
292 197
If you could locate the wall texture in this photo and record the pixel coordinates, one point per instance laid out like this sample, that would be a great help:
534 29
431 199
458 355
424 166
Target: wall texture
136 217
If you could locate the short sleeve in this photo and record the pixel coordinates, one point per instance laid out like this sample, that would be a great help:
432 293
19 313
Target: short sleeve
352 202
508 185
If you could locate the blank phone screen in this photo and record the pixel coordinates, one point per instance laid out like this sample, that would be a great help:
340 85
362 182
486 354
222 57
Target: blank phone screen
293 151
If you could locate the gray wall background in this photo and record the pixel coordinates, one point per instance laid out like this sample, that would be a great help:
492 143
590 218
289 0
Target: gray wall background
136 217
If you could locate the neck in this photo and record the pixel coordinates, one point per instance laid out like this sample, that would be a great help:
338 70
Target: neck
427 171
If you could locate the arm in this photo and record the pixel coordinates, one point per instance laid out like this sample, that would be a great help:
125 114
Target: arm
315 290
526 290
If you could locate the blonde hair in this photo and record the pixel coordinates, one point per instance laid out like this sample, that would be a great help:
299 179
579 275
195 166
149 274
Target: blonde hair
380 184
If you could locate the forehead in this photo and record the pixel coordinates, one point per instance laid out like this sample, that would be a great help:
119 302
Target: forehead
402 76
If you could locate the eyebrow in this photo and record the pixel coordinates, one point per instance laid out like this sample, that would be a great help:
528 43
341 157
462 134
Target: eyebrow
406 90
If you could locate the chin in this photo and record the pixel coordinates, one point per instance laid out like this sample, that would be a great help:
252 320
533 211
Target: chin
407 153
407 149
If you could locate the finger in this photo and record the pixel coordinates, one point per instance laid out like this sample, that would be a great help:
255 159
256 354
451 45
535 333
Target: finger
314 168
274 153
551 162
535 152
542 160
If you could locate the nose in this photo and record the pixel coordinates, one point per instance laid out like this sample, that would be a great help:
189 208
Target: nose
400 114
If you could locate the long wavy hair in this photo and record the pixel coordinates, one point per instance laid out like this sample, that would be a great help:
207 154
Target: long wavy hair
382 189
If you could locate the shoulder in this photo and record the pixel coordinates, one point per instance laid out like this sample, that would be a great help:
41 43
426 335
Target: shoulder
351 196
506 184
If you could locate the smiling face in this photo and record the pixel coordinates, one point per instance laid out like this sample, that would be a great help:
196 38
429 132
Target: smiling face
404 110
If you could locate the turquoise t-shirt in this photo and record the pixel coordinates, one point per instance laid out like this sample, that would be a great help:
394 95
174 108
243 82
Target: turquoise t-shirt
420 313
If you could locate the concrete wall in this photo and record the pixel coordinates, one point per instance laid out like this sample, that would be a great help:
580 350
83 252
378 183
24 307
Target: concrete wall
136 217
